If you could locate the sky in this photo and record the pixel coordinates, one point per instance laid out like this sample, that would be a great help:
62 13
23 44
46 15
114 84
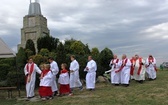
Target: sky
125 26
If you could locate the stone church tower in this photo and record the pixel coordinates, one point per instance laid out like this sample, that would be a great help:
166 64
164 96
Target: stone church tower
34 25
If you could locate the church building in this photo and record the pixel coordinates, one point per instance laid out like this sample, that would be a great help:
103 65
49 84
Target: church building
34 25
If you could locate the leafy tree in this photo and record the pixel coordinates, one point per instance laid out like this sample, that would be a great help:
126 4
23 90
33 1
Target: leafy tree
105 57
38 59
21 58
67 45
87 50
78 48
44 52
4 69
47 42
95 52
61 54
30 46
52 54
29 53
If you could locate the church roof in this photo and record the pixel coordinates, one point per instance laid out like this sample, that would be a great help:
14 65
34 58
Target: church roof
34 8
5 51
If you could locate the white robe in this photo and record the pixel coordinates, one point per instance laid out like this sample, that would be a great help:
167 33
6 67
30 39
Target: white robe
74 76
46 80
141 76
91 74
63 78
150 70
31 85
125 72
115 77
54 68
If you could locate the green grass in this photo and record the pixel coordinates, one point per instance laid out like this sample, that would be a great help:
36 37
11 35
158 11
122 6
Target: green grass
149 93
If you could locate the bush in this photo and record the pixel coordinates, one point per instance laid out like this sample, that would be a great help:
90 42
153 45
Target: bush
4 69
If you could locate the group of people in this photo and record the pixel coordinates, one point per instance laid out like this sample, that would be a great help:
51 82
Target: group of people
136 68
121 72
48 72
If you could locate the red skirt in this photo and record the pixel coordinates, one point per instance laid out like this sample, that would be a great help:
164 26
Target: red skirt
45 91
64 89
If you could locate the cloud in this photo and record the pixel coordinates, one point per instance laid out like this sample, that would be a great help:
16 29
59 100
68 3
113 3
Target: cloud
159 31
125 26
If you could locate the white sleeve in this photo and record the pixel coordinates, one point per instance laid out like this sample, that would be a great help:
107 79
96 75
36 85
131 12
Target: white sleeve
85 67
25 70
55 69
37 69
147 62
154 62
110 63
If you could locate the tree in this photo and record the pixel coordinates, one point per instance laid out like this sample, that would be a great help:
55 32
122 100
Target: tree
105 56
30 46
38 59
4 69
21 58
78 48
44 52
87 50
47 42
67 45
29 53
61 54
95 52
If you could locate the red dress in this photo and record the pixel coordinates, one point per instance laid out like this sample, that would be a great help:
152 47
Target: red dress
45 91
64 88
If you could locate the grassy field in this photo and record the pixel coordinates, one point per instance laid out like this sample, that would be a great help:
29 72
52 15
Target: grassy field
148 93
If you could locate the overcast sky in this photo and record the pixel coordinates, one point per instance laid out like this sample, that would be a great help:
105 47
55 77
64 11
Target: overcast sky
124 26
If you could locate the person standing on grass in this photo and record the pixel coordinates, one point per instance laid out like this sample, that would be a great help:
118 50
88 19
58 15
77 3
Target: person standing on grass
151 67
45 90
132 67
54 69
115 77
74 74
30 70
91 68
125 66
139 69
64 81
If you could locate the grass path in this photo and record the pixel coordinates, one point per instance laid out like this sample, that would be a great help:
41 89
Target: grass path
148 93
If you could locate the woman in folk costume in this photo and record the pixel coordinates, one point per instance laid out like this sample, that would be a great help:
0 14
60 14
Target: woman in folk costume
45 90
30 72
115 77
151 67
64 81
91 74
125 66
139 69
132 67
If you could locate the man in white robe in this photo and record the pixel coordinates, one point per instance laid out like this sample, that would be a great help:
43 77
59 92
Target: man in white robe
115 76
30 70
125 66
151 67
54 69
139 69
74 74
91 73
